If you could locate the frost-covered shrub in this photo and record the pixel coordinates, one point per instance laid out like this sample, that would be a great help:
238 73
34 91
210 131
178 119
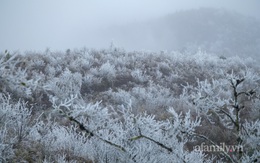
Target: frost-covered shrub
62 141
15 78
15 117
107 70
15 125
77 107
225 103
139 76
66 84
6 147
122 136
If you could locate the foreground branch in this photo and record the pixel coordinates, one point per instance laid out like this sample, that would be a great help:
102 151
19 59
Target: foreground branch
91 134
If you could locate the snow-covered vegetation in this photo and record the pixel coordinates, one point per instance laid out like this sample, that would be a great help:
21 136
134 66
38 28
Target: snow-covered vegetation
116 106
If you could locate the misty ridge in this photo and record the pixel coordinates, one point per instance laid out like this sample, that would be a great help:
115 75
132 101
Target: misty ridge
213 30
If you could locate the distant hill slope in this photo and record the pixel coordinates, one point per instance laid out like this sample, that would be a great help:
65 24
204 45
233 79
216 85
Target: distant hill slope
214 30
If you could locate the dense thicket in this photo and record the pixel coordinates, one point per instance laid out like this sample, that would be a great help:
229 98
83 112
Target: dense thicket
117 106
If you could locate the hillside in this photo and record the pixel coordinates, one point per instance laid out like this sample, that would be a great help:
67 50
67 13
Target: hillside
111 105
213 30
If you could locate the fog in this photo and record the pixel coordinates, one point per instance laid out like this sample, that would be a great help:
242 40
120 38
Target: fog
62 24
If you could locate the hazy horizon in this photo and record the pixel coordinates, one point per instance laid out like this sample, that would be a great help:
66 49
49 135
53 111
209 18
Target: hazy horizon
63 24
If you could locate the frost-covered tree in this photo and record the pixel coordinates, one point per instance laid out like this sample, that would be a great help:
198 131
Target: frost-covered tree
227 103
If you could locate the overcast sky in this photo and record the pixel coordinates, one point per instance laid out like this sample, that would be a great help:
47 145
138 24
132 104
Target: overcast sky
63 24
